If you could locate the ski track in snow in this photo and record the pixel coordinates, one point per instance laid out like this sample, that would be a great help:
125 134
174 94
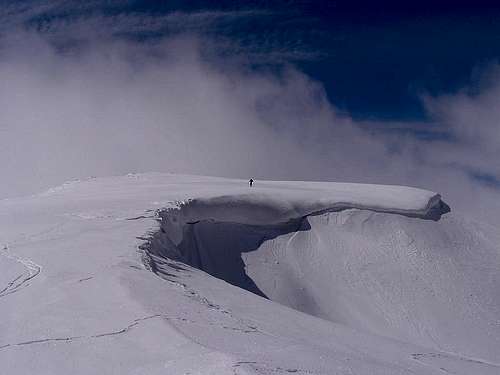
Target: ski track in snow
422 356
21 281
71 339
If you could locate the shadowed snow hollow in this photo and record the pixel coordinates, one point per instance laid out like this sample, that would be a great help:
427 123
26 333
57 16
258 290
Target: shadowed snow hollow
361 255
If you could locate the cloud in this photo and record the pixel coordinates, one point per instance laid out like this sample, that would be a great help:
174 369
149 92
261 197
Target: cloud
113 105
120 106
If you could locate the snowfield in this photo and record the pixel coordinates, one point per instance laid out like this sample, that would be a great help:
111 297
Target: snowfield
172 274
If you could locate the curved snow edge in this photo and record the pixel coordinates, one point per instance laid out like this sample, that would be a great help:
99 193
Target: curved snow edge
266 209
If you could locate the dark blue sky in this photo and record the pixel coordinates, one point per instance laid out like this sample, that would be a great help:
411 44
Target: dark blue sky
374 58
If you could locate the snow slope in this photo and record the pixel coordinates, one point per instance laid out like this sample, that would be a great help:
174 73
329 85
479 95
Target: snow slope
108 276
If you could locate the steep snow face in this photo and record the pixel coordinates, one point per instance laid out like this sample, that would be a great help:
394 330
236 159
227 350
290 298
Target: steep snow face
378 267
76 297
213 233
435 284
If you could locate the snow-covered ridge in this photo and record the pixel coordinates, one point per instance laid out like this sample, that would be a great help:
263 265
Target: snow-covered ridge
378 290
265 207
374 258
192 229
268 202
282 207
267 212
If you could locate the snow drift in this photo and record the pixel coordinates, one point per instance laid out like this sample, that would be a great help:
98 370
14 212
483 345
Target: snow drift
364 256
343 279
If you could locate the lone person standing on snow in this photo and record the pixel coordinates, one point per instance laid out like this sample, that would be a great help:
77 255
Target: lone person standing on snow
251 182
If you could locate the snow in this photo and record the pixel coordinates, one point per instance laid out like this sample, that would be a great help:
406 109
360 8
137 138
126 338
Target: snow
359 279
276 202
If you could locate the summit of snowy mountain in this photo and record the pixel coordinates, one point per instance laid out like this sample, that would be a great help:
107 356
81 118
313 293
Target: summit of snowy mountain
177 274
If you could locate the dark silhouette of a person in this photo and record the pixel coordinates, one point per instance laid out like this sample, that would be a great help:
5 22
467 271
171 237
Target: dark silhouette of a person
251 182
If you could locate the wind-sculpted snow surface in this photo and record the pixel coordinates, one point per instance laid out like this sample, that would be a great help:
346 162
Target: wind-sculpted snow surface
355 263
344 279
277 202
